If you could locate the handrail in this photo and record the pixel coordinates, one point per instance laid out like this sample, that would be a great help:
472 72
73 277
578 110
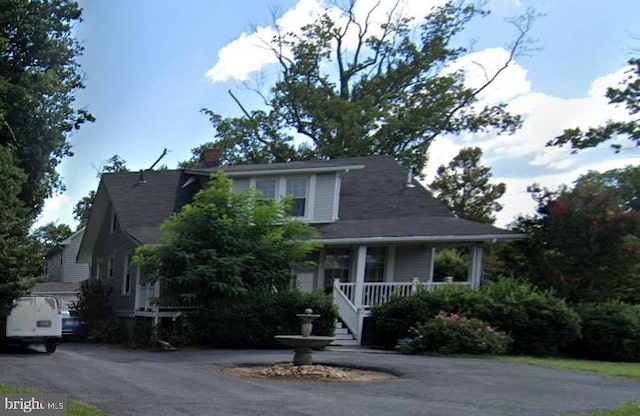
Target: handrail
348 311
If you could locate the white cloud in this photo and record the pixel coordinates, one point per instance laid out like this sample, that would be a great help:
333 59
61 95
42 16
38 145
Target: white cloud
249 54
56 209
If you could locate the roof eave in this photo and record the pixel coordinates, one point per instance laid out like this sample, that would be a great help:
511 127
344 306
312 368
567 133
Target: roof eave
425 239
240 174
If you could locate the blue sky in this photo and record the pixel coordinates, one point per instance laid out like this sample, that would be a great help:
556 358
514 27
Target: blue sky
151 65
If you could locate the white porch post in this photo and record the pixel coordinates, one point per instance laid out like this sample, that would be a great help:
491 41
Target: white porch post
361 261
475 268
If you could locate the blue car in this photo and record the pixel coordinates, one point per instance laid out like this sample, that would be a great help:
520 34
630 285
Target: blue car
72 325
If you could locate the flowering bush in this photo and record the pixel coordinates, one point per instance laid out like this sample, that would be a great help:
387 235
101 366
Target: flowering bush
455 334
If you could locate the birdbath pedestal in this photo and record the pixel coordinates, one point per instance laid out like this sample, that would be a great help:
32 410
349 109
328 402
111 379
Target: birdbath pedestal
305 342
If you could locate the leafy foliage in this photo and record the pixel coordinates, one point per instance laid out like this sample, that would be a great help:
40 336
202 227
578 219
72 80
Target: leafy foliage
252 320
464 187
537 321
82 209
584 243
39 75
628 94
225 244
51 234
610 331
450 262
20 260
456 334
95 308
386 95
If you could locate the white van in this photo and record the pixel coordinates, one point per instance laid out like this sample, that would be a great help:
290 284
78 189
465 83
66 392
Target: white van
34 320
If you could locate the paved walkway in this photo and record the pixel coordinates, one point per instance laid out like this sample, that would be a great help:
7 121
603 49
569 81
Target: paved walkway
125 382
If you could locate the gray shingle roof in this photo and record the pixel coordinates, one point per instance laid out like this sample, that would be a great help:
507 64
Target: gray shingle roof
142 206
375 202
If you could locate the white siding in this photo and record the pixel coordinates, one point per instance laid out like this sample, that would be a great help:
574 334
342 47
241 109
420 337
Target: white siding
72 271
412 262
324 198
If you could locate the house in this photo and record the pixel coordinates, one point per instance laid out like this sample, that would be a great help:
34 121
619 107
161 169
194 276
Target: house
63 273
378 228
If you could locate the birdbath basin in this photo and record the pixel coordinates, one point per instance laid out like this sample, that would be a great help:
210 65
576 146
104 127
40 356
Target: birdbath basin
303 344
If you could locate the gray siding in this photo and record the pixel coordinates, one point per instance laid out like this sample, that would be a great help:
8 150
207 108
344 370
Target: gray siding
324 198
74 272
118 245
54 267
411 262
241 184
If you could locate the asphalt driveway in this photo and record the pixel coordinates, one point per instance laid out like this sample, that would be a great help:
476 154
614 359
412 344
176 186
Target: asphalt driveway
138 383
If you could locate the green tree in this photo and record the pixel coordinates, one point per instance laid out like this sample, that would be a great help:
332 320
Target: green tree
628 94
583 242
82 208
20 259
387 95
39 75
226 244
625 181
463 185
51 234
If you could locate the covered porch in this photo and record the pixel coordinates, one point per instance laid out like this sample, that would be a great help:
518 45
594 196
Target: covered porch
360 276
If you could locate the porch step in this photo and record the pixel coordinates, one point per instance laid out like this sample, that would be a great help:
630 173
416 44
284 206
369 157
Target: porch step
344 337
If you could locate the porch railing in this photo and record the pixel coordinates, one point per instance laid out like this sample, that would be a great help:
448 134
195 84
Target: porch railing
147 296
374 293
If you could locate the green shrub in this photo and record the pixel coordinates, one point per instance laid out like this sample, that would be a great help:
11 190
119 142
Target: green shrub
455 334
392 321
253 320
538 322
95 309
610 331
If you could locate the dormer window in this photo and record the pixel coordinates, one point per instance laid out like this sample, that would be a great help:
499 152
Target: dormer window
278 187
297 188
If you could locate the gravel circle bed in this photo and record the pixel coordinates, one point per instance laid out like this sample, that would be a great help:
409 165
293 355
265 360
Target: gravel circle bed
315 372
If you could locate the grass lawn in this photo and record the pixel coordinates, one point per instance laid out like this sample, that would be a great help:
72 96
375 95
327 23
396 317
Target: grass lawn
75 408
620 369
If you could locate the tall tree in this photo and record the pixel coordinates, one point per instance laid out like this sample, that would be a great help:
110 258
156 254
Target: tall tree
389 94
39 75
226 244
463 185
627 94
584 242
20 258
82 208
51 234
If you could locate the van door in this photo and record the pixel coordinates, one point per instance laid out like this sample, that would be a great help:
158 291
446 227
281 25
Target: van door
47 318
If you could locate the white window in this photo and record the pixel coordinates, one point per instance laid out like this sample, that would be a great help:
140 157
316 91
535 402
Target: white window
337 265
297 188
268 187
114 222
110 265
126 283
98 274
375 264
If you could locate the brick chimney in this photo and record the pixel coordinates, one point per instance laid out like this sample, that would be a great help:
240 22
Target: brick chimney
210 158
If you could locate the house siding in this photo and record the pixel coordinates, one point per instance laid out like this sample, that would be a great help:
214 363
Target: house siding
324 198
412 262
116 245
73 271
54 268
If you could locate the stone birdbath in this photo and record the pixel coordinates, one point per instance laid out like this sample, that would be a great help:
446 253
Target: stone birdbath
305 342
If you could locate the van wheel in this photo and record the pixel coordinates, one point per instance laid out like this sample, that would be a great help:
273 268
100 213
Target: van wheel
50 347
